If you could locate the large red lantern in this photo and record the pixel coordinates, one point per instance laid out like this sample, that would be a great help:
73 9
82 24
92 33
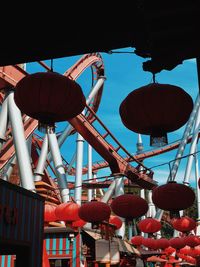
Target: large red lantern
155 110
184 224
94 212
116 221
49 213
49 97
177 242
129 206
173 197
67 211
149 225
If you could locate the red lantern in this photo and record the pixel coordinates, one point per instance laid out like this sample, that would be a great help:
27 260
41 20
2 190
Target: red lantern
116 221
169 250
149 225
163 243
184 224
185 250
177 242
173 197
156 109
67 211
94 212
129 206
150 243
49 213
49 97
137 240
192 240
78 223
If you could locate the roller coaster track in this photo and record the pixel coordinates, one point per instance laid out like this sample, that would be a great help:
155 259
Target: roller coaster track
10 75
140 157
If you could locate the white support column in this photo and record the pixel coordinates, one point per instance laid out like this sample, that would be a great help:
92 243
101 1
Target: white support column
3 120
119 190
69 128
39 171
197 192
9 170
79 165
58 165
181 148
183 143
25 170
192 149
89 171
109 192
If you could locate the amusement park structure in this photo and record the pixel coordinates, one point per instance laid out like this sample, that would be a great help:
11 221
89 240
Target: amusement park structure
26 161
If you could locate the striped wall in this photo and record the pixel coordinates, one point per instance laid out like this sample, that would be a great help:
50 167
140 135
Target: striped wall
7 261
28 226
59 246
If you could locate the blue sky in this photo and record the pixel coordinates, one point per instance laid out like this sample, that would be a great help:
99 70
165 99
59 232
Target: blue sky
124 73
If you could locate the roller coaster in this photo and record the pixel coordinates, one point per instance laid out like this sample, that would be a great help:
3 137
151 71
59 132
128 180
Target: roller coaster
84 125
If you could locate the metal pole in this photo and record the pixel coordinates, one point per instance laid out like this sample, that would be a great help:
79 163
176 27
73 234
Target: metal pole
181 148
119 190
79 165
69 128
9 170
109 192
39 171
58 165
183 142
89 170
95 191
197 192
22 154
192 149
130 230
3 120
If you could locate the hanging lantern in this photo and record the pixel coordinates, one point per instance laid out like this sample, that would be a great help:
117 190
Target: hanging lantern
150 243
169 250
129 206
49 213
149 225
137 240
184 224
155 110
185 250
163 243
192 240
116 221
94 211
173 197
67 211
78 223
49 97
177 242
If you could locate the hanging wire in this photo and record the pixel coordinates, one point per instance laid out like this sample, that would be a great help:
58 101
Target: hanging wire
51 65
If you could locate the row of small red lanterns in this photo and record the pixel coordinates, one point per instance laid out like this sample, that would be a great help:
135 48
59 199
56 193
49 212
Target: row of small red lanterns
163 243
130 206
71 212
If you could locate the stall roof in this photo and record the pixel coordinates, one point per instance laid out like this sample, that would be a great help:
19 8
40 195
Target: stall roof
124 245
164 33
